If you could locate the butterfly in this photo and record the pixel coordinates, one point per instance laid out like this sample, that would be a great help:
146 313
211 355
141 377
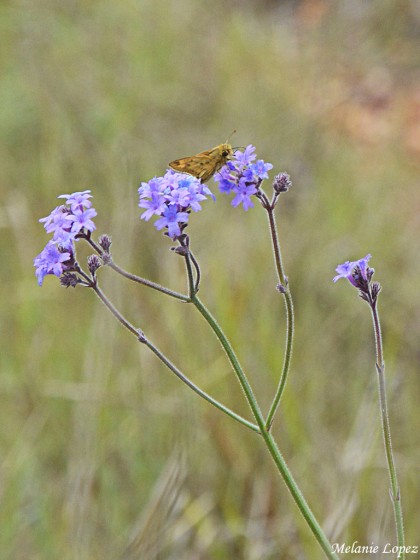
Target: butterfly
205 164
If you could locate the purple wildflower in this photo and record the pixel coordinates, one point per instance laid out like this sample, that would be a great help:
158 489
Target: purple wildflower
156 205
260 169
242 177
77 200
246 157
66 223
244 191
82 219
172 219
172 197
359 274
355 271
50 261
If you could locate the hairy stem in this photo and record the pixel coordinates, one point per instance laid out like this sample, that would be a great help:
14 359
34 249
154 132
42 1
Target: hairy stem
285 290
134 277
386 432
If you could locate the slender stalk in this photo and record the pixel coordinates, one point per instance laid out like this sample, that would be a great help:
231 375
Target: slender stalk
114 310
276 246
191 283
297 495
267 436
148 283
386 432
223 340
134 277
285 290
252 401
197 270
141 338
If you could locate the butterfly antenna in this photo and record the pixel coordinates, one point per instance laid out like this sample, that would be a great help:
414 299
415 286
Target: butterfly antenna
230 135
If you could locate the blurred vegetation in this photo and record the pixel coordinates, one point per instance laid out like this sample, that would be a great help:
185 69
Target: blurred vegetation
103 453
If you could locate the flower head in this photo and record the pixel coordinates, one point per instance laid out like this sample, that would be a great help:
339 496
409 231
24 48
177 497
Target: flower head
78 200
51 260
243 177
72 218
359 274
172 197
355 272
66 223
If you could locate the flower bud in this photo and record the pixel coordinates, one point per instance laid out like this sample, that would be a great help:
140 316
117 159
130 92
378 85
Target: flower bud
105 242
94 262
282 183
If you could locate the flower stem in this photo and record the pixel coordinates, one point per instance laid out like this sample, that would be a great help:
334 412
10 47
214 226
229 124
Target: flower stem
198 273
133 277
252 401
285 290
266 435
141 338
191 283
386 432
297 495
148 283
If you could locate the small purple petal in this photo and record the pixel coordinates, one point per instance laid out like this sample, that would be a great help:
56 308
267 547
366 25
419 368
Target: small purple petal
345 270
50 261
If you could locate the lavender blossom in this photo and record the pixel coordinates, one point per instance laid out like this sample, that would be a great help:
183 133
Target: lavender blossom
51 260
355 271
359 274
172 197
243 177
66 223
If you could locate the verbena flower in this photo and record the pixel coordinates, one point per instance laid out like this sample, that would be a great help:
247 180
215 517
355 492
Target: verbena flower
70 219
78 200
66 223
82 220
173 220
172 197
242 177
359 274
354 271
51 260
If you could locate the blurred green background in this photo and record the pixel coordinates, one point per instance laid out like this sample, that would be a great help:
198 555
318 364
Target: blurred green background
103 453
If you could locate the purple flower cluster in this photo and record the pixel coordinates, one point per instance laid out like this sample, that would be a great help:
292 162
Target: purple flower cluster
243 177
350 271
359 274
65 222
172 197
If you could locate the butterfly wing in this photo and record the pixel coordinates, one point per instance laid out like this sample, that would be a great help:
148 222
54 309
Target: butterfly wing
201 166
204 165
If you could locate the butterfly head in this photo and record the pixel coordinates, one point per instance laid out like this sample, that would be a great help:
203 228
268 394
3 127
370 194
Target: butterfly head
226 151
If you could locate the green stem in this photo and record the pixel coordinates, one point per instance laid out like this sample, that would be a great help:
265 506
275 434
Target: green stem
191 283
386 432
267 436
232 357
134 277
141 337
147 283
223 341
285 290
297 495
